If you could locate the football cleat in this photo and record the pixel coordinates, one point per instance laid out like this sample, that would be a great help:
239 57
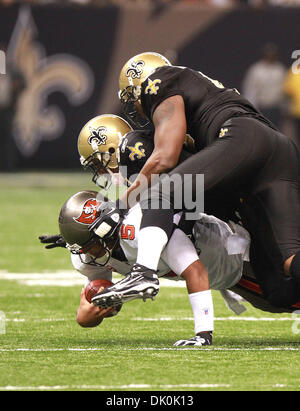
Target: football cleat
200 340
141 283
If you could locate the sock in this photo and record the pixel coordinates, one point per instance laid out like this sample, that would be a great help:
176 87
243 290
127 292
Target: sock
203 309
151 243
295 268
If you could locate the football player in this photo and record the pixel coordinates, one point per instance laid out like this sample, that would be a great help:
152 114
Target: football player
248 165
223 249
212 236
98 146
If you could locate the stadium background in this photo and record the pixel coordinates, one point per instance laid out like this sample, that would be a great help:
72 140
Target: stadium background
94 40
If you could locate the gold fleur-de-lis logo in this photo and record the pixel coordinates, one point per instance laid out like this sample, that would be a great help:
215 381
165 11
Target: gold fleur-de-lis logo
136 151
152 87
223 131
98 135
135 69
34 119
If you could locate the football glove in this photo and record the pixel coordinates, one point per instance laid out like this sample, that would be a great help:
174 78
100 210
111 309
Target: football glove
108 222
200 340
52 241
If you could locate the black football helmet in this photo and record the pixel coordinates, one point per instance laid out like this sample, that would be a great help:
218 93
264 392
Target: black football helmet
76 216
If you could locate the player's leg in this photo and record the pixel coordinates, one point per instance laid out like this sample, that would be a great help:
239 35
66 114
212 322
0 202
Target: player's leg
275 235
228 165
292 267
201 301
231 165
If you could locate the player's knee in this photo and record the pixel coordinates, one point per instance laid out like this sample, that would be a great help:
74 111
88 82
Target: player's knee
294 266
275 299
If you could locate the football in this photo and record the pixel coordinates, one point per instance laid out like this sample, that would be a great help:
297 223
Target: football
92 288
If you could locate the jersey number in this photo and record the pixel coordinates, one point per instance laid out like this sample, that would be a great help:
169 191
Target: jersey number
216 82
127 232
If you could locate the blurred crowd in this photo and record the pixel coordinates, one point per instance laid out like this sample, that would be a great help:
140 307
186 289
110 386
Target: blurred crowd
216 3
275 90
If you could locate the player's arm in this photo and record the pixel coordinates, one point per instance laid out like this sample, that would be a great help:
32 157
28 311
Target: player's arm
89 315
170 131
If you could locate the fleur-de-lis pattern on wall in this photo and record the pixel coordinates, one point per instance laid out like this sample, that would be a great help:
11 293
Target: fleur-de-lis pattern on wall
34 119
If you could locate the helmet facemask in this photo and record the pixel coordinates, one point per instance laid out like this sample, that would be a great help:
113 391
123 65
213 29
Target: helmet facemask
98 258
98 163
130 102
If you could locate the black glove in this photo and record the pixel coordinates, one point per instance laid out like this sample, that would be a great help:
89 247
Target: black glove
108 222
53 241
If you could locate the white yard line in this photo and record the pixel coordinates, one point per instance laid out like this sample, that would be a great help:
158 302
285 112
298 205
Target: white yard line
292 318
112 387
220 349
254 319
130 387
67 278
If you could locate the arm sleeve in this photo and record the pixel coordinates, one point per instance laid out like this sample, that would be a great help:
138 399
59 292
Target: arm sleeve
179 252
91 272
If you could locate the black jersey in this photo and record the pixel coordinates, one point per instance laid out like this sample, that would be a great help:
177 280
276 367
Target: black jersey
135 149
208 104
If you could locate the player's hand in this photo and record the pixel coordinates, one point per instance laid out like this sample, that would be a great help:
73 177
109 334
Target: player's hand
108 222
52 241
107 312
89 315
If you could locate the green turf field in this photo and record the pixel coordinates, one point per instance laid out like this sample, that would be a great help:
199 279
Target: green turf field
42 347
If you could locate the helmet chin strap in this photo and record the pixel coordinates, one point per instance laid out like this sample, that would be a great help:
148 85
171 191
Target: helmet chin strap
104 181
101 180
128 97
133 115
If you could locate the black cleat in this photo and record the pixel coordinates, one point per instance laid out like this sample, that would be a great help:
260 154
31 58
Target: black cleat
141 283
